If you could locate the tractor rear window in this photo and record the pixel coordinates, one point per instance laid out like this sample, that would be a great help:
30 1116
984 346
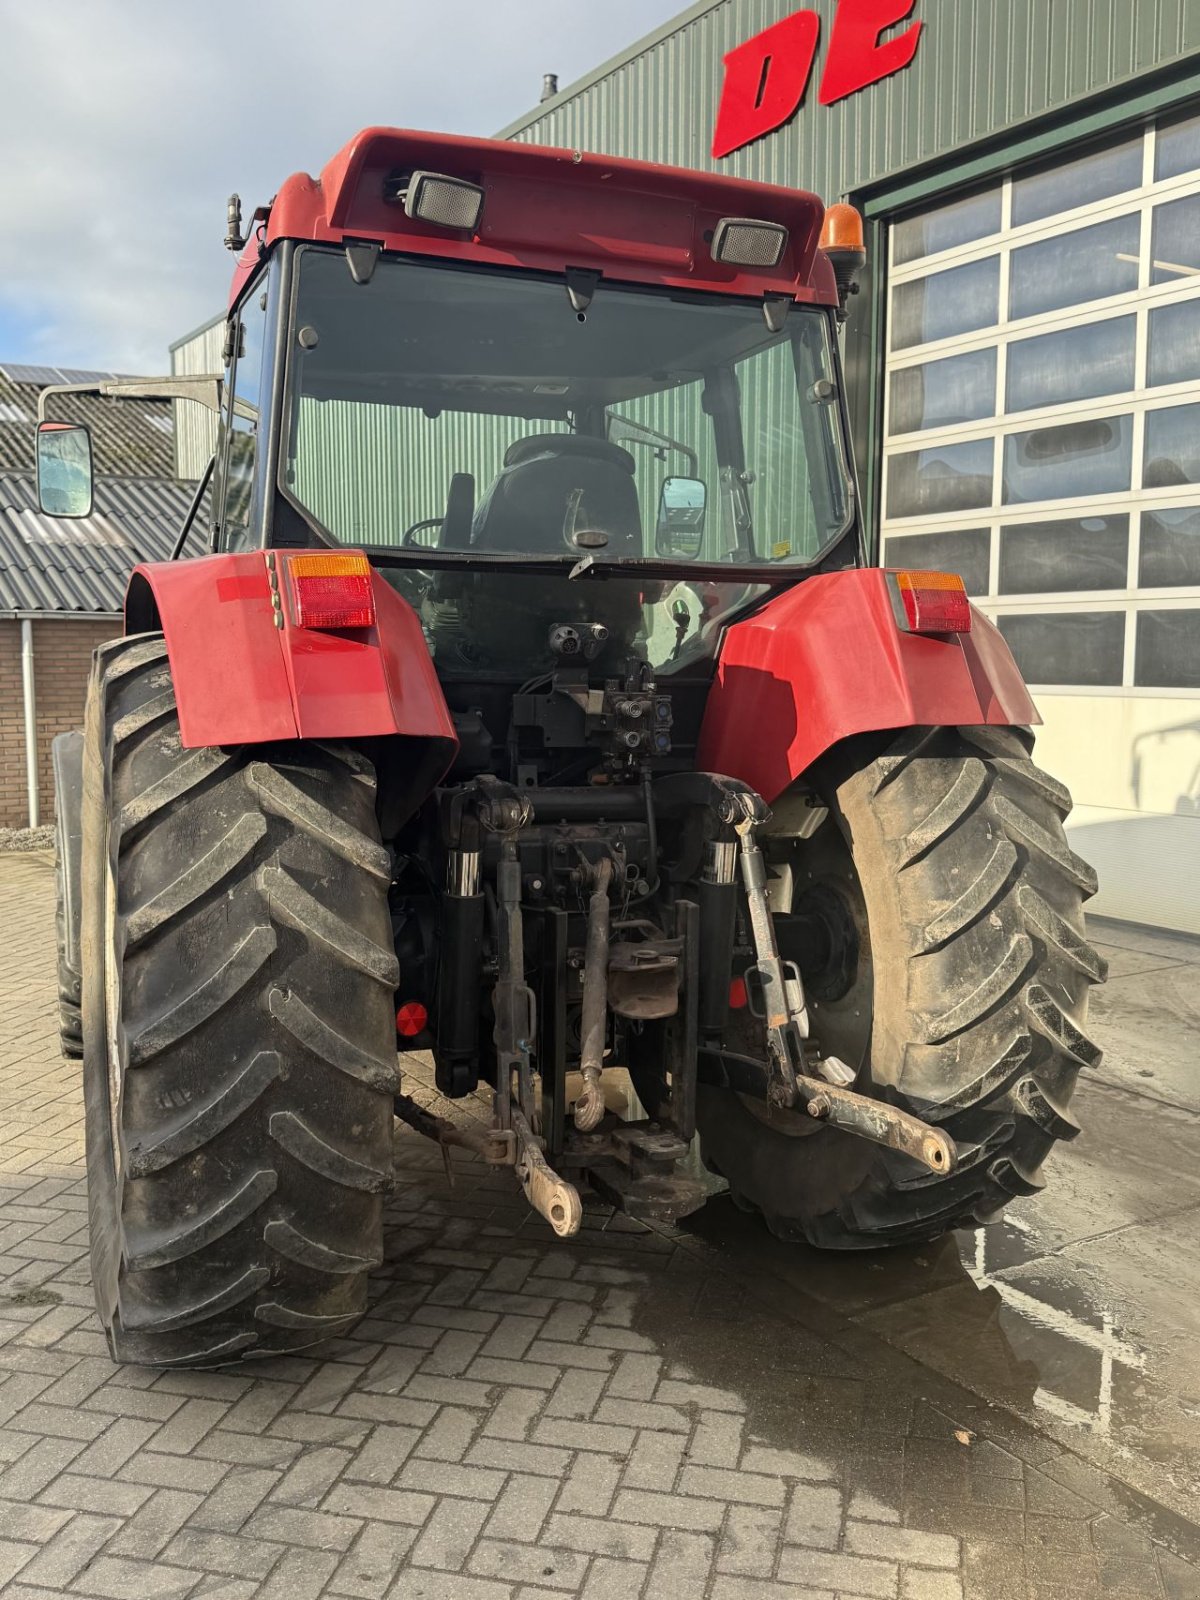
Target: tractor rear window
484 413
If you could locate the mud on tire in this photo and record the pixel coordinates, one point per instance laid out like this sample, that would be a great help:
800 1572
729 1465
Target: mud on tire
981 971
239 1058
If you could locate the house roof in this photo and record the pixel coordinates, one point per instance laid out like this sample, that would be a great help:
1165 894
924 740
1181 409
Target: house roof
59 567
130 438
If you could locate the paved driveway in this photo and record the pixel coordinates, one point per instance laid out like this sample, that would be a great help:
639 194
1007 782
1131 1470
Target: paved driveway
664 1415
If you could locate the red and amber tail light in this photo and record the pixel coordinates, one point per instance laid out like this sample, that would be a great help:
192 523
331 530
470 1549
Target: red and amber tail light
331 590
930 602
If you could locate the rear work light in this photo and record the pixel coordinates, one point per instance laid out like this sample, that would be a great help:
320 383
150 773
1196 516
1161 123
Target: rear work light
746 242
444 201
332 591
930 602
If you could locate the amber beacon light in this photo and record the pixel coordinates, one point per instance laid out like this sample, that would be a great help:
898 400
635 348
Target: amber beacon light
842 242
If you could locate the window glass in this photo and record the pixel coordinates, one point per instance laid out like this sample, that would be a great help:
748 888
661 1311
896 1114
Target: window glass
1172 447
243 426
429 373
1077 181
1093 456
1070 647
1075 267
955 301
1167 653
1067 554
964 551
1170 548
1073 364
938 393
1174 343
949 477
1177 147
946 227
1175 241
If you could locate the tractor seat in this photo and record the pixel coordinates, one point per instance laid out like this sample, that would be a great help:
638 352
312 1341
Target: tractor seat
551 486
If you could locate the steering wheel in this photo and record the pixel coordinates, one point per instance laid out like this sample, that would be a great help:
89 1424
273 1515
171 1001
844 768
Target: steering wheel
409 540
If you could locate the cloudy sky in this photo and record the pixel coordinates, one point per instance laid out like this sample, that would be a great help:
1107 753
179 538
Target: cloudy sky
125 124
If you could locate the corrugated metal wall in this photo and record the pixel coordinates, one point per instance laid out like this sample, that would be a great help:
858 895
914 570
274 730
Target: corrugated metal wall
196 428
981 66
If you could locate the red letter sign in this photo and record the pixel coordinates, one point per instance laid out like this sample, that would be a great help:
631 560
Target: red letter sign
856 57
765 80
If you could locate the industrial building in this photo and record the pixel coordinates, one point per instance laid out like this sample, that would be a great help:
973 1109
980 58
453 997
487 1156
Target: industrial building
62 583
1023 358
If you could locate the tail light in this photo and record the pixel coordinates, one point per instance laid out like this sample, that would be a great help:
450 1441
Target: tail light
332 591
930 602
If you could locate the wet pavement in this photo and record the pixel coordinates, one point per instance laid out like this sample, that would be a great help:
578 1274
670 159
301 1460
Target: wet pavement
639 1414
1081 1309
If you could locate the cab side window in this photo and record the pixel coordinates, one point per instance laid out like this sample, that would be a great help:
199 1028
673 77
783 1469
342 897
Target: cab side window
241 421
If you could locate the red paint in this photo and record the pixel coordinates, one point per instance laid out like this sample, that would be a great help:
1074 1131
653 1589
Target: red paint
767 76
240 679
216 614
738 998
856 58
547 209
765 80
826 660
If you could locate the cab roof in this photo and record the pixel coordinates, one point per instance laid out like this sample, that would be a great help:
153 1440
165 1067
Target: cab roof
547 209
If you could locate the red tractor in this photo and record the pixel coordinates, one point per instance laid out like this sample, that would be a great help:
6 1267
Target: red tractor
538 706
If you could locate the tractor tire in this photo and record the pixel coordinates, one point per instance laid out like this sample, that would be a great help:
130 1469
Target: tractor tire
70 979
239 1029
971 989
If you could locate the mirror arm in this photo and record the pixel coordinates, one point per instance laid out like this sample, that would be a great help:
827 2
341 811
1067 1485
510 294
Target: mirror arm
206 389
193 509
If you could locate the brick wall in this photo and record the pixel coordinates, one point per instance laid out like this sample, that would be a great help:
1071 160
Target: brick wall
62 658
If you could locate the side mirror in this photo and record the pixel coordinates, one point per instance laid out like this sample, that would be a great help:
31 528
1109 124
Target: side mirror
64 469
680 524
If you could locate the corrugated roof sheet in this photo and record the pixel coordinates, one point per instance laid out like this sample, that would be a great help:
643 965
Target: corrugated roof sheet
130 438
74 568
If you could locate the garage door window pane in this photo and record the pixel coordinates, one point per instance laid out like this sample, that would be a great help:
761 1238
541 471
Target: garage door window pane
1172 447
1076 364
956 301
1168 650
964 551
1175 241
1069 554
1089 457
1177 147
1170 552
951 477
938 393
1077 182
1067 646
948 226
1075 267
1175 343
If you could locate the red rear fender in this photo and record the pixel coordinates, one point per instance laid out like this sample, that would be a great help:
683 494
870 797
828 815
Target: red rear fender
826 660
244 673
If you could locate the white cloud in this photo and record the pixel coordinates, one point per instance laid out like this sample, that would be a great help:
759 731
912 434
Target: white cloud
126 124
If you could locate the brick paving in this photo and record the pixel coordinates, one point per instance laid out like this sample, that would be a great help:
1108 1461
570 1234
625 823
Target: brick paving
620 1418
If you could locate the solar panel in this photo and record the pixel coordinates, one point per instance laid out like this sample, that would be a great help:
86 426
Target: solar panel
39 375
78 375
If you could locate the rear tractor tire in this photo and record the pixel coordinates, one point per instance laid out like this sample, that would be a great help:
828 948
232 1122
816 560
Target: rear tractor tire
966 1005
238 1023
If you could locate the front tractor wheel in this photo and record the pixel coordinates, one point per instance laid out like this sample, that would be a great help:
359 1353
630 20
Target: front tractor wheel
963 999
239 1035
